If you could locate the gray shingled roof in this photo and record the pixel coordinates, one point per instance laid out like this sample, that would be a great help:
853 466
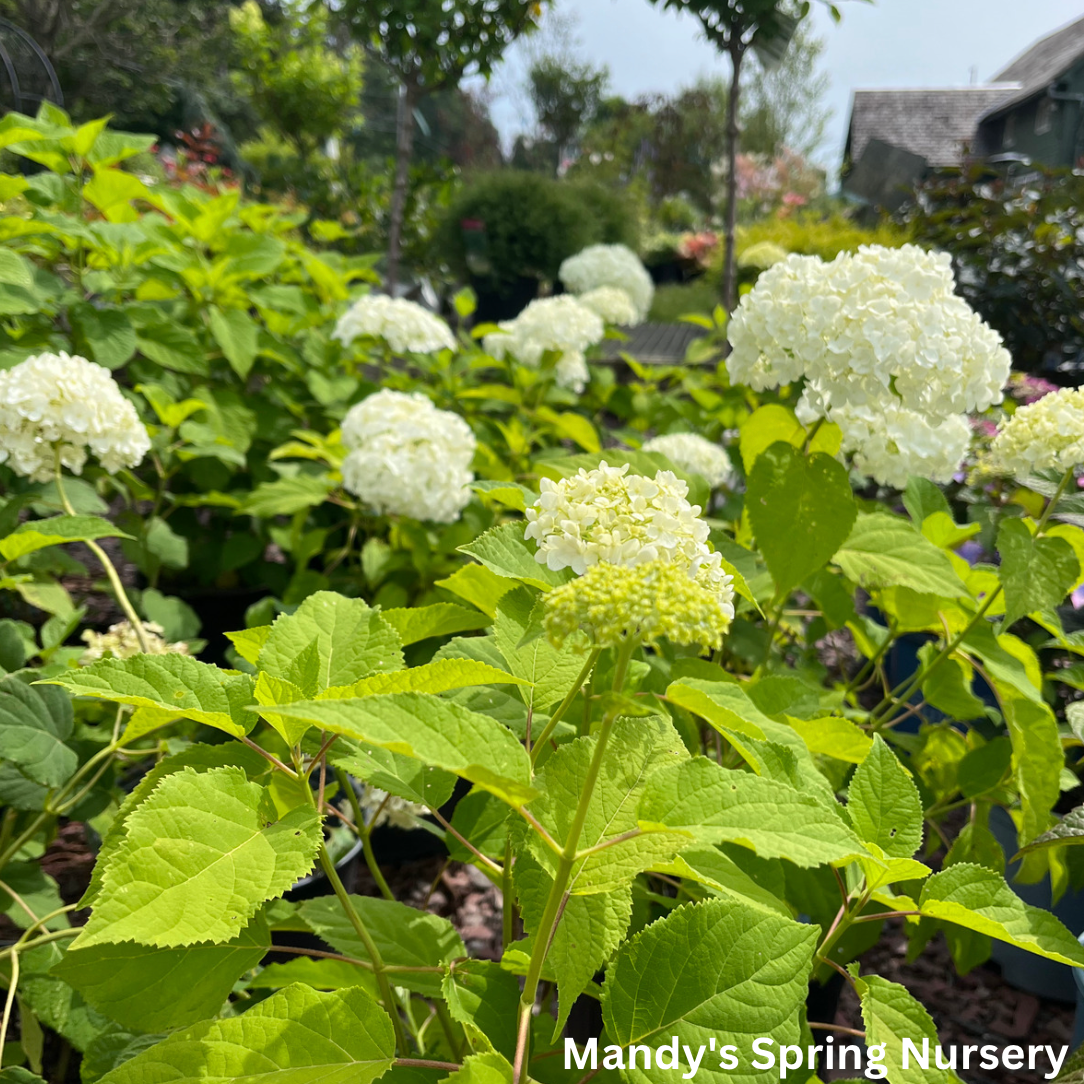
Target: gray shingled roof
1040 65
936 124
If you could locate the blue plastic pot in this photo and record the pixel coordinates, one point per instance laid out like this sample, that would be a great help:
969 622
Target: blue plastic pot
1024 970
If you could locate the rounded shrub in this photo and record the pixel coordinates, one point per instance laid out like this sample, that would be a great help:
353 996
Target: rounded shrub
509 226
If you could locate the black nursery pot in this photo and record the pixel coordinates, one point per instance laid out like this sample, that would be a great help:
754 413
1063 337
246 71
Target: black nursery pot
506 304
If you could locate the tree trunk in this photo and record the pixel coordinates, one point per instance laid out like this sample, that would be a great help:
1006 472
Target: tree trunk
404 146
733 135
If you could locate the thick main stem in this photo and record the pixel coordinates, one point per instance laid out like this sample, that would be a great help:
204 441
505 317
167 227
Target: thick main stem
565 704
404 147
555 903
386 993
110 570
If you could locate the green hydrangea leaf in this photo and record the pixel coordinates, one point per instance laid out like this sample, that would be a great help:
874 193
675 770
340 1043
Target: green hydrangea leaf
35 723
478 994
548 671
200 758
489 1068
402 776
432 730
1068 832
405 936
1037 573
317 973
438 676
588 934
776 821
891 1015
198 858
158 989
177 684
440 619
353 641
637 749
713 970
39 533
297 1035
249 642
884 550
275 690
504 551
1037 762
708 866
791 495
980 899
883 803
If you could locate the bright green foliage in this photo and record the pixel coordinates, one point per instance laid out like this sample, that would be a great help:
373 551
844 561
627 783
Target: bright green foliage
771 818
707 971
883 803
639 748
530 656
297 1035
174 684
158 989
434 677
980 900
479 993
434 731
504 552
590 931
886 551
405 936
1068 832
160 889
352 641
442 619
1037 573
400 775
794 496
891 1015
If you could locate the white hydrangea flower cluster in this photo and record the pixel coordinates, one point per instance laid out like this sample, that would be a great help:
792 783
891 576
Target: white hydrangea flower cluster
641 553
891 443
612 304
121 642
57 401
559 324
404 325
408 458
610 265
874 334
1046 434
696 456
609 516
380 808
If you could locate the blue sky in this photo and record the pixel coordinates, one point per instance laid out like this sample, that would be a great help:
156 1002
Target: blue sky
892 43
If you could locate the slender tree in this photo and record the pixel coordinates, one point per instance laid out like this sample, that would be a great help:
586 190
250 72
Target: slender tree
430 45
735 27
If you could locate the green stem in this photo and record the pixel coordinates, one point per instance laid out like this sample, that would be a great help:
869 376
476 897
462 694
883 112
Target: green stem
555 903
45 939
508 914
386 993
903 692
8 1003
110 569
448 1028
565 704
363 834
